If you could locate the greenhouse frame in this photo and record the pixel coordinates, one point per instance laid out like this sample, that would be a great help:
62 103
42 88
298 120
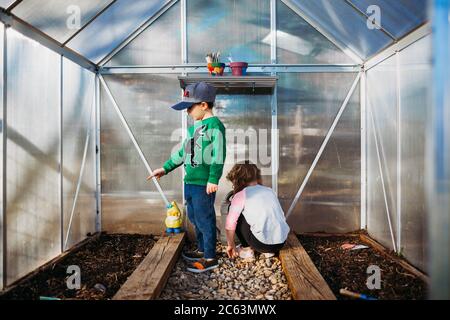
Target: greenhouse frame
351 129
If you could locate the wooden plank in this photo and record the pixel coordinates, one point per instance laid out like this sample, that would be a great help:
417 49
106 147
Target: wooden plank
150 277
380 248
50 264
326 235
305 281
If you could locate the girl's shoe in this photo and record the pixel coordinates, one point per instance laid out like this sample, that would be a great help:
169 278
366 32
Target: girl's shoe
246 254
268 255
192 255
203 265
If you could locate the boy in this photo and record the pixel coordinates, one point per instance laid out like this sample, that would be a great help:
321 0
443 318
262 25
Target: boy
203 154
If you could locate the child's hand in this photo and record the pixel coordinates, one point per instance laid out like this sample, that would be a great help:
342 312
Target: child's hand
231 252
158 173
211 188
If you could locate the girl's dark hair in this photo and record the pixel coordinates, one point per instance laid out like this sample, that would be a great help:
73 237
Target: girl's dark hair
242 174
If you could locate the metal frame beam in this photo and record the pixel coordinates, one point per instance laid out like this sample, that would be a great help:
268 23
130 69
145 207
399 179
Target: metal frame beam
347 50
3 158
200 68
401 44
137 32
98 177
184 60
399 152
35 34
61 154
322 147
274 103
363 119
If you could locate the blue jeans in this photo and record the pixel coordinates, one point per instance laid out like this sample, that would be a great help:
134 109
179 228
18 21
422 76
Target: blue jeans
200 210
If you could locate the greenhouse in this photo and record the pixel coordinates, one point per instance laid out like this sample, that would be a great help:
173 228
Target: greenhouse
342 105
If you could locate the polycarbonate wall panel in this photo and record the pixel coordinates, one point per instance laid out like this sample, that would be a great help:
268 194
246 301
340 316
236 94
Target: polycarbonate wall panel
78 130
239 27
60 19
382 122
307 106
2 30
415 92
247 119
397 17
331 200
345 24
113 26
6 3
33 155
159 44
129 202
298 42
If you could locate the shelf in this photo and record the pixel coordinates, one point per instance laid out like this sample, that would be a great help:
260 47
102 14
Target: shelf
234 84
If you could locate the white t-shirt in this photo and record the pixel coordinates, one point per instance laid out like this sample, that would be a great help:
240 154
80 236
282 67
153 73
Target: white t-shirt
263 212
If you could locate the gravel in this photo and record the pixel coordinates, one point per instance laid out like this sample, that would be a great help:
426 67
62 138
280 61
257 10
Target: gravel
261 279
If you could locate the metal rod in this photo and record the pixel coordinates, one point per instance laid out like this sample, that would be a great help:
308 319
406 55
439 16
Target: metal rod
80 177
399 152
322 147
4 159
275 140
184 40
98 177
364 15
388 214
363 204
61 154
274 101
261 65
137 32
184 60
133 139
273 31
89 22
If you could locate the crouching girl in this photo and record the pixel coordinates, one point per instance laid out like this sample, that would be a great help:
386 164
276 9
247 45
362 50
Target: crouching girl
255 215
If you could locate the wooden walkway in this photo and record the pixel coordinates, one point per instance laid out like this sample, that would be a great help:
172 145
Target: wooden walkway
150 277
305 281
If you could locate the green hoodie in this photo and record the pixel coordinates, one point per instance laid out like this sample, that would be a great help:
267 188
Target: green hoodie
203 153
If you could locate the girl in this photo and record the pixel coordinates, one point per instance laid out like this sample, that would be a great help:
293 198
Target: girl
255 215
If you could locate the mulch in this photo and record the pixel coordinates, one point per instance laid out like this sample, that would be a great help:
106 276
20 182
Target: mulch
105 264
348 269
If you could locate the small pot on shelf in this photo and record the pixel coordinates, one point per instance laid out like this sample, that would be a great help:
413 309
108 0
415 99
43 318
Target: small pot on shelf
216 68
238 68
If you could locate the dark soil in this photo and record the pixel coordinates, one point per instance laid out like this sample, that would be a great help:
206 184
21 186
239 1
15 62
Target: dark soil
348 269
108 260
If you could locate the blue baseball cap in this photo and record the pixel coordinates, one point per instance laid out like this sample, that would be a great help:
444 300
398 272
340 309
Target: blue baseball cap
196 93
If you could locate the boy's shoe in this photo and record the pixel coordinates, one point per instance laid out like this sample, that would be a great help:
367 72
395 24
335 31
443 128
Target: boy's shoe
247 254
192 255
203 265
